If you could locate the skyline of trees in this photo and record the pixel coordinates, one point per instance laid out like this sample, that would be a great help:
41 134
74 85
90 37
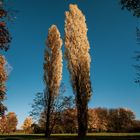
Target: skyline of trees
99 120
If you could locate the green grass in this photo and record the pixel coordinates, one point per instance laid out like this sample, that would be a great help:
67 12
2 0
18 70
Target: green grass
90 136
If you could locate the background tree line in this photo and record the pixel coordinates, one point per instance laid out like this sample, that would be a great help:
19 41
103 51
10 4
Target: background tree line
64 118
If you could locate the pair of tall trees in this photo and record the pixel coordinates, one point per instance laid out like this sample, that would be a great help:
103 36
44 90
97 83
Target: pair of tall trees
78 58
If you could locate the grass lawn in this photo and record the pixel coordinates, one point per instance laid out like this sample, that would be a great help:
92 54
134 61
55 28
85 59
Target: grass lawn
91 136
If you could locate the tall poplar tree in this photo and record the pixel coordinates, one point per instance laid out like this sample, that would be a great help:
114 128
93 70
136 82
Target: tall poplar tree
77 54
52 72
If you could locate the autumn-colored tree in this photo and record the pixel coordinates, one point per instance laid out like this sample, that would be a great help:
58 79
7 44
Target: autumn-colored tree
93 120
5 37
126 117
103 119
69 120
120 120
27 125
111 120
52 72
5 40
11 122
77 55
98 120
8 123
3 124
3 78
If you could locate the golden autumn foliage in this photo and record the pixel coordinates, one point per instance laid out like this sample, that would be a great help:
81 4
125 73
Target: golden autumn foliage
77 46
77 54
69 121
3 124
52 71
3 76
53 60
98 119
5 40
8 123
110 120
11 122
27 125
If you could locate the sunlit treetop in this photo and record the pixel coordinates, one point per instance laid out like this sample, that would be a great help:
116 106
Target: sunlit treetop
77 48
53 60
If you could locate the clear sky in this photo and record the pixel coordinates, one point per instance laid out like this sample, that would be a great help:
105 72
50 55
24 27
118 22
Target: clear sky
112 37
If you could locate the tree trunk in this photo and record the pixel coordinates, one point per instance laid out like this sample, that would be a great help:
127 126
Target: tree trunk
48 113
82 118
82 110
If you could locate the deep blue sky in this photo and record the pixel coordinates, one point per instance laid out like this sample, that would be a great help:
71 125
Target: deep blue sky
112 38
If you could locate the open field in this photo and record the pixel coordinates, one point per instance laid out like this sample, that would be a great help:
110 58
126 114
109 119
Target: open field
93 136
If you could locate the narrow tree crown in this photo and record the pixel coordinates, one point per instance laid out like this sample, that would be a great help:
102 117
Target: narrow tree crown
53 60
77 49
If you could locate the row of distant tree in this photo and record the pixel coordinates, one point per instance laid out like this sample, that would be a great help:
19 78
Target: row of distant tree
99 120
65 120
64 117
